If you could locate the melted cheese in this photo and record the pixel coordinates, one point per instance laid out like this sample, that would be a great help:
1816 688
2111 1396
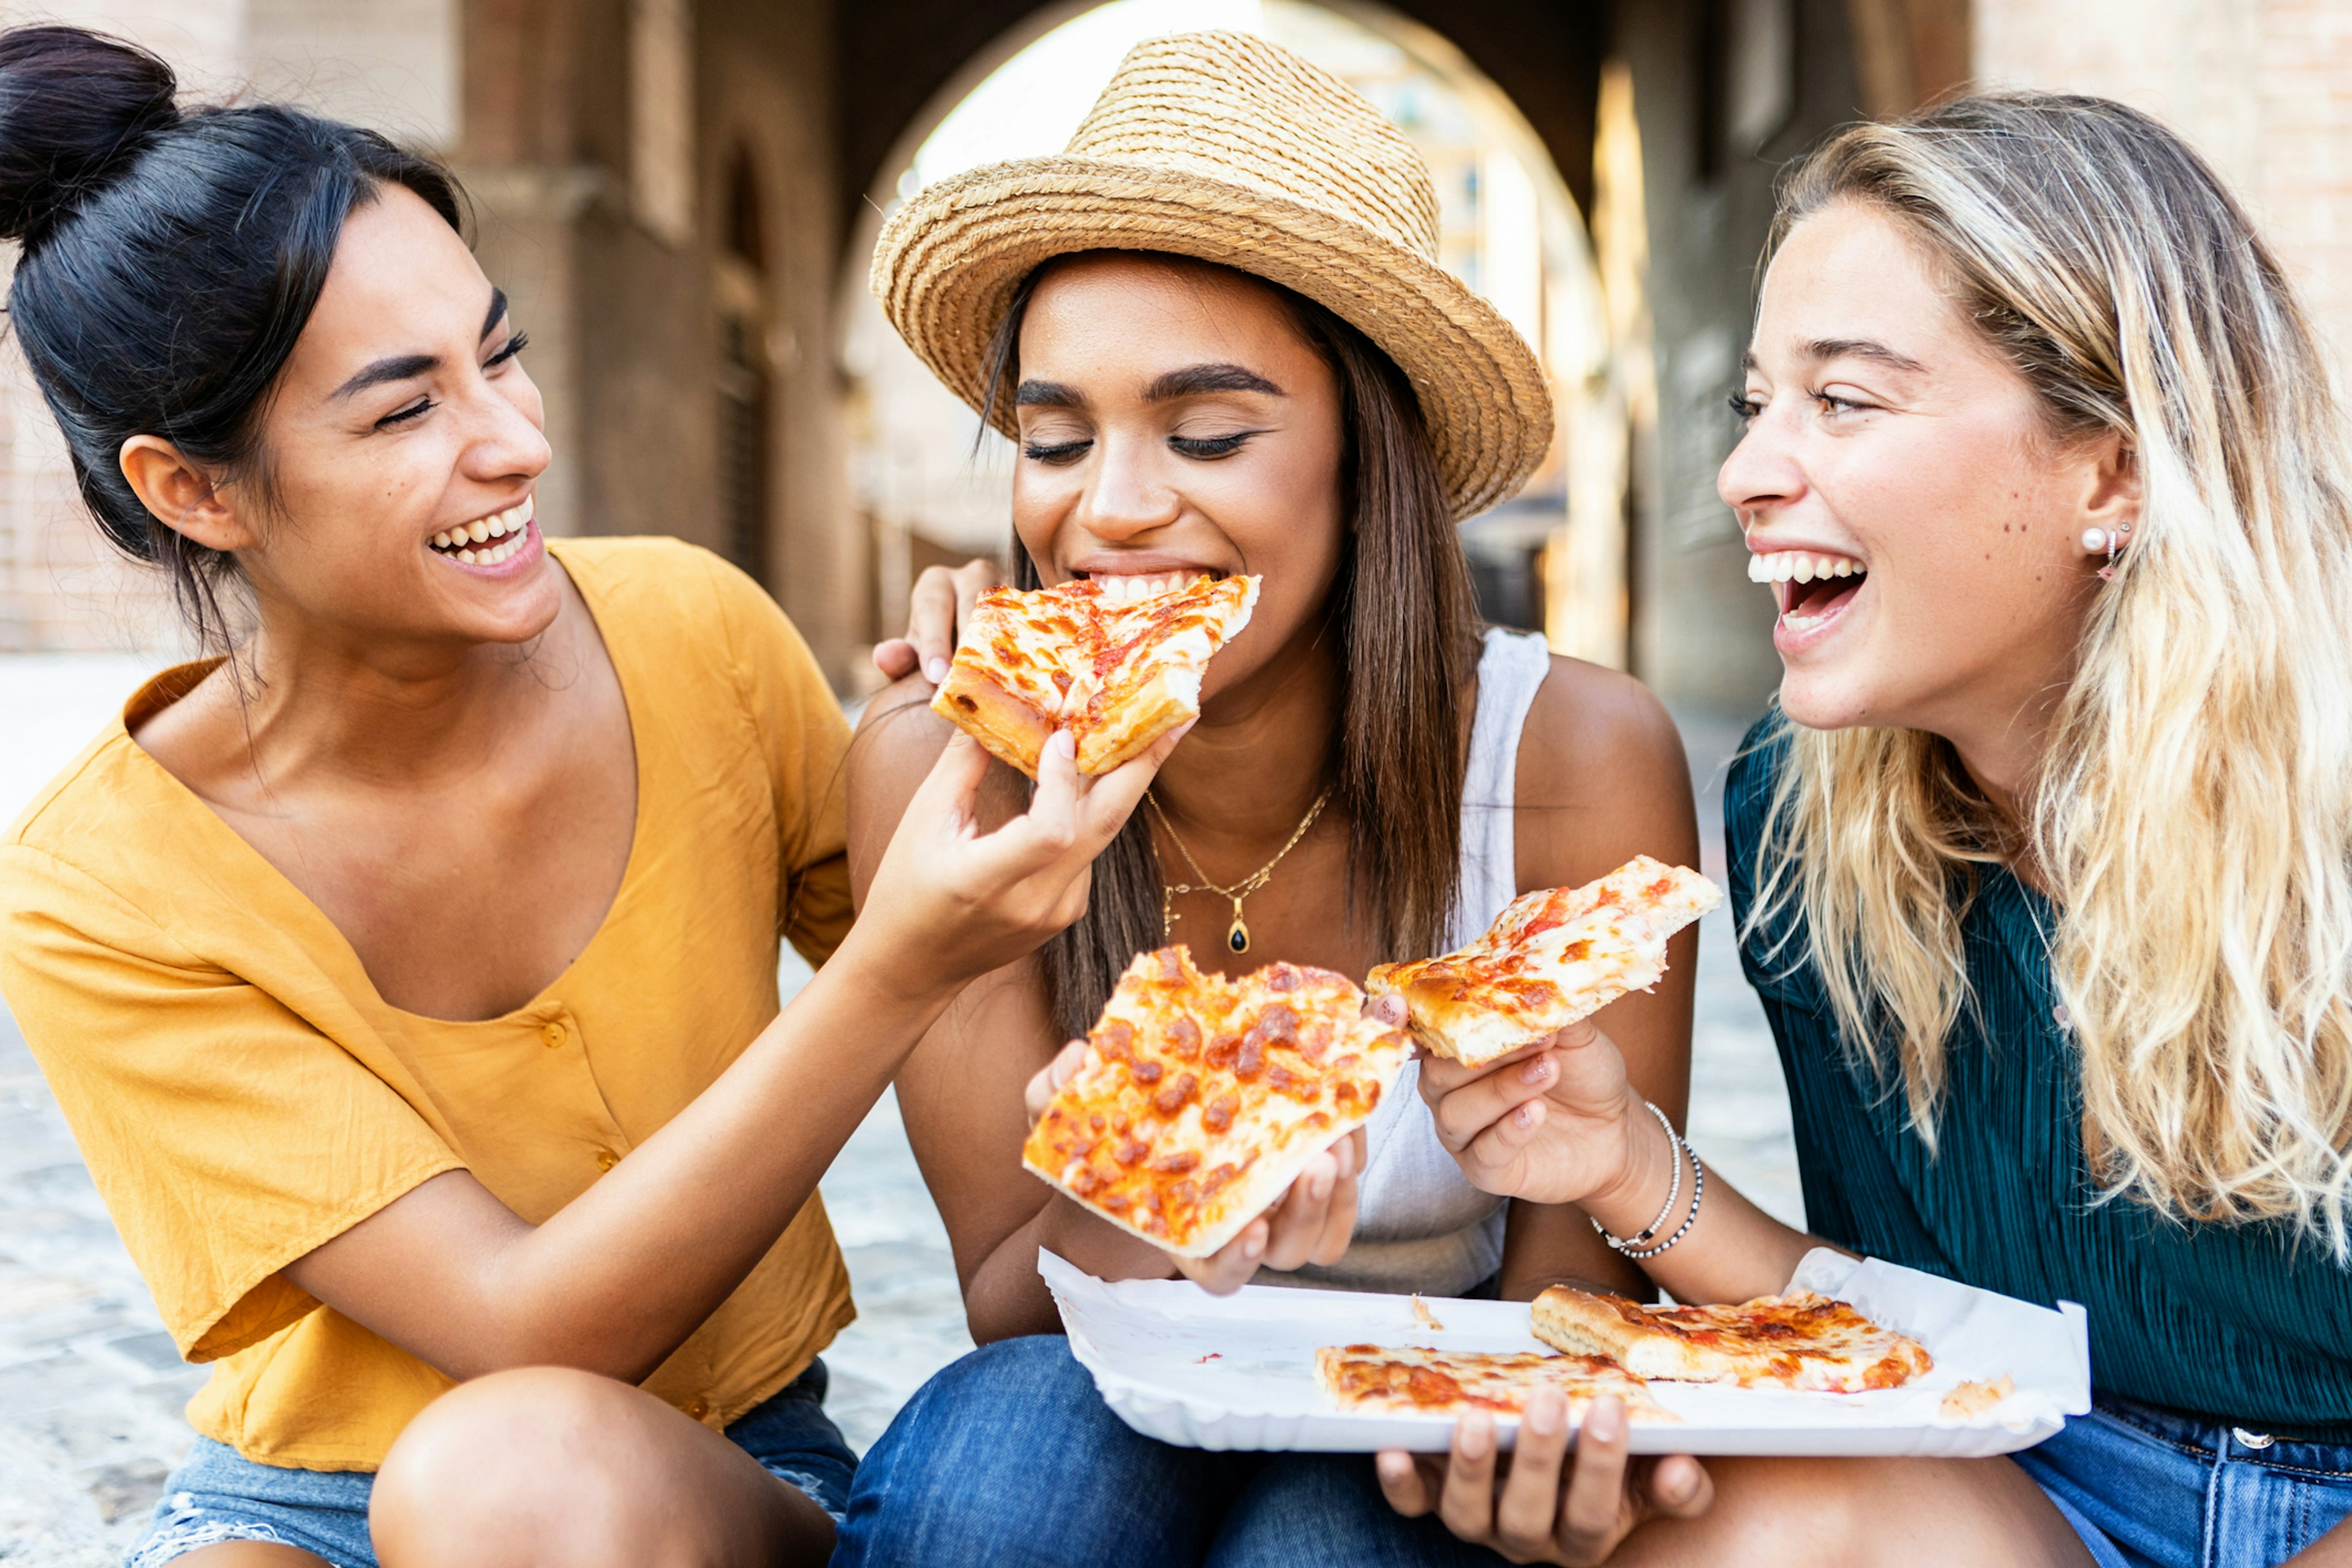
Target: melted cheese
1201 1097
1425 1382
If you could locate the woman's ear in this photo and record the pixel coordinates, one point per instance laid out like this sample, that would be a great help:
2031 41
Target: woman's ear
181 495
2111 499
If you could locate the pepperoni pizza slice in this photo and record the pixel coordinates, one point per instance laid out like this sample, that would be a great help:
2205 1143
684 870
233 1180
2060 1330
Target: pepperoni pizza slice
1801 1341
1416 1381
1117 661
1201 1097
1552 957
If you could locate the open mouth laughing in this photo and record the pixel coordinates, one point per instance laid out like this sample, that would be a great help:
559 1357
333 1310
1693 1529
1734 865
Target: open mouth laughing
489 541
1813 587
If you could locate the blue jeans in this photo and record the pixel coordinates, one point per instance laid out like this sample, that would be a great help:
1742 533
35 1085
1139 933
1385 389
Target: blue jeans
1010 1458
2147 1487
220 1495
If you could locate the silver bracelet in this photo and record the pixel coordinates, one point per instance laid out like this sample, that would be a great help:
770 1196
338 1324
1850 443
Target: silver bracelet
1675 1189
1698 1194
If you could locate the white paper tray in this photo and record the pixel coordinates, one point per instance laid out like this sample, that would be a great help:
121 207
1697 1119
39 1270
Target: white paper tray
1238 1372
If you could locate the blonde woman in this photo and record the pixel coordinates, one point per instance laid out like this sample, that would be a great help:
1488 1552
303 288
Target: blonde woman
2042 866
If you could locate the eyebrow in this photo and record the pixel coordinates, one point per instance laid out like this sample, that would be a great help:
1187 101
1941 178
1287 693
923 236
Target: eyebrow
1047 395
1858 347
1193 380
401 367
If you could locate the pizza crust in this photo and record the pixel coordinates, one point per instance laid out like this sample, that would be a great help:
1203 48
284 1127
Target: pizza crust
1551 958
1202 1098
1801 1341
1013 730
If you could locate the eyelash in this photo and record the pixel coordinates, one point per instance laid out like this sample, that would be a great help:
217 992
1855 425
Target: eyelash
1745 408
514 345
1204 448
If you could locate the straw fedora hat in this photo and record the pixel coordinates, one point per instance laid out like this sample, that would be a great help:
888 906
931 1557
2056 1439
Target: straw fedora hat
1229 149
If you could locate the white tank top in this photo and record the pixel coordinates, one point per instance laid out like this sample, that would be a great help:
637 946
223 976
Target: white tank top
1420 1225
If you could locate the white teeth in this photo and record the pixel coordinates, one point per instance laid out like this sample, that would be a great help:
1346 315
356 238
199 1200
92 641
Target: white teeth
1131 588
1800 566
478 530
466 556
498 526
441 539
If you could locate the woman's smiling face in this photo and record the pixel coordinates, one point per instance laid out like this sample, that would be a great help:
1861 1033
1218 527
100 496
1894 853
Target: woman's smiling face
1896 461
1175 421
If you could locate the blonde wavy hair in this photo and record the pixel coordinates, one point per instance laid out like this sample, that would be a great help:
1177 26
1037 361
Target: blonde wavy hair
2192 817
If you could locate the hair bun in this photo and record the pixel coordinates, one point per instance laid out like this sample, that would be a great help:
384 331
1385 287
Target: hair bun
76 107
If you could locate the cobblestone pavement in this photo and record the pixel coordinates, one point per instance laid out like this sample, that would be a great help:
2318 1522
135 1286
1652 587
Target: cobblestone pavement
90 1389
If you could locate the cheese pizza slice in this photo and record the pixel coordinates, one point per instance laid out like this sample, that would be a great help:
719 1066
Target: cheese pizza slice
1801 1341
1416 1381
1552 957
1201 1097
1116 662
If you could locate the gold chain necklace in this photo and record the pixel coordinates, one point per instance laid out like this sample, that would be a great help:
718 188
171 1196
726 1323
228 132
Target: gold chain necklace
1238 937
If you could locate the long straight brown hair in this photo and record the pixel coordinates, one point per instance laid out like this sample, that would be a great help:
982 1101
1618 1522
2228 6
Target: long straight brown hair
1401 616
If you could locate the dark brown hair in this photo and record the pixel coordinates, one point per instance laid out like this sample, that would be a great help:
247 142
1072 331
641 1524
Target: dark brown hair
1402 616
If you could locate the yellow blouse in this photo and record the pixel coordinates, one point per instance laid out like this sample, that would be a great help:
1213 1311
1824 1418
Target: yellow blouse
242 1094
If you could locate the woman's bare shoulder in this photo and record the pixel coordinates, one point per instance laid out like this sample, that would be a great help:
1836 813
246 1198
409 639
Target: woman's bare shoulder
1602 777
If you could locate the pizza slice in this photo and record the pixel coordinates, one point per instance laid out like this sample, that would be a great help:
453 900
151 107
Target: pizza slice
1114 667
1201 1097
1801 1341
1552 957
1415 1381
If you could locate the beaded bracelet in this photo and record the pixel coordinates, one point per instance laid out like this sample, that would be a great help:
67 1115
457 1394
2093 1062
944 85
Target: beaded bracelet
1635 1247
1698 1193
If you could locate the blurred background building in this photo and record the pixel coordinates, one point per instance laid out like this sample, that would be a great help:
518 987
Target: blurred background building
680 197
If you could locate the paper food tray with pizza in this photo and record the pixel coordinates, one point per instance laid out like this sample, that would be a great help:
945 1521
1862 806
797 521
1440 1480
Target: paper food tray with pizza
1241 1371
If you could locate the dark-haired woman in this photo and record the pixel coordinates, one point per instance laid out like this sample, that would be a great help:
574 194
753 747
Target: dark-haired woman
408 975
1282 383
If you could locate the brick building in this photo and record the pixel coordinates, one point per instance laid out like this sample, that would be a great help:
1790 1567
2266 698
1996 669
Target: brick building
678 195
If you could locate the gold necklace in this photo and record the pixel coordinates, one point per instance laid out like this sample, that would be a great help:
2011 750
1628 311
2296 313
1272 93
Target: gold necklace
1237 938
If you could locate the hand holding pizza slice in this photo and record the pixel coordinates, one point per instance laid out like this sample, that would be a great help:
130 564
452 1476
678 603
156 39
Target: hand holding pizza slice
1197 1102
1116 667
1551 959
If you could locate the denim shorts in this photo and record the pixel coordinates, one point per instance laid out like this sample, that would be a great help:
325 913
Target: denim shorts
219 1495
2148 1487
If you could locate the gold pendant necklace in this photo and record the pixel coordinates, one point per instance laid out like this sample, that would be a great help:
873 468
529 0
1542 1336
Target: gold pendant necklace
1237 936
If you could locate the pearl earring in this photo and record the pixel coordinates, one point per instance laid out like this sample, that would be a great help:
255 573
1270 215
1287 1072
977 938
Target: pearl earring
2095 541
2098 541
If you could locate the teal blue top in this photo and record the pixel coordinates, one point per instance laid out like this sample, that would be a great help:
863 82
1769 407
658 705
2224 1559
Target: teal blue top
2236 1324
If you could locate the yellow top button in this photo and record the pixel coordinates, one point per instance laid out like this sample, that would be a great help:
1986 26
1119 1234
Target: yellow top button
607 1159
698 1408
553 1034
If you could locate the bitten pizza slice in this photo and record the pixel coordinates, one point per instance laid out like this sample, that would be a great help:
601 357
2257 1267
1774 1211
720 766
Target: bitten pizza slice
1117 666
1552 957
1415 1381
1801 1341
1201 1097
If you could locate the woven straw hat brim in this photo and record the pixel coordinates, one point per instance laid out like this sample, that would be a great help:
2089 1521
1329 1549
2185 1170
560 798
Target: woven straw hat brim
949 260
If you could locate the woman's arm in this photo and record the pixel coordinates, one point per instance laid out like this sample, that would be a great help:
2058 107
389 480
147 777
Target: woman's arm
1601 778
964 1091
618 1277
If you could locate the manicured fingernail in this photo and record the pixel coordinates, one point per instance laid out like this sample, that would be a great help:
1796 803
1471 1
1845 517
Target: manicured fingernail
1537 1071
1476 1437
1546 1416
935 671
1323 1186
1252 1245
1394 1467
1525 1117
1066 743
1606 1422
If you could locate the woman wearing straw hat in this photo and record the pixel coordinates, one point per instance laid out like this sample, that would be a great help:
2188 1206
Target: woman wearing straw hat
1217 329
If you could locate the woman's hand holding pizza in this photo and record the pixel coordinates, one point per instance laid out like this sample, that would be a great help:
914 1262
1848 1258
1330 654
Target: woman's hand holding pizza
1312 1221
950 901
1533 1513
1555 1123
